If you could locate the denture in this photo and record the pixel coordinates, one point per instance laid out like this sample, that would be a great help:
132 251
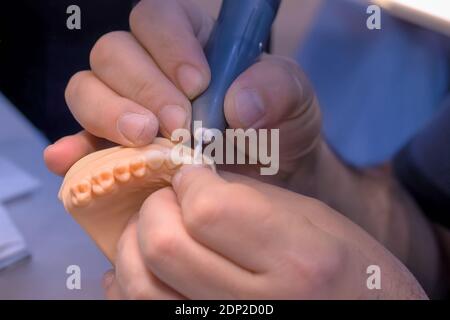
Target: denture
103 190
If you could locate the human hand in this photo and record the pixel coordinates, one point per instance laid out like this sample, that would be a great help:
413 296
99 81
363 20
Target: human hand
191 241
135 75
144 80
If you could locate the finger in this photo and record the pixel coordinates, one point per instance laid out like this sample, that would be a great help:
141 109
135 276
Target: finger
172 31
179 261
270 91
134 280
275 94
107 115
61 155
119 61
234 228
111 287
185 185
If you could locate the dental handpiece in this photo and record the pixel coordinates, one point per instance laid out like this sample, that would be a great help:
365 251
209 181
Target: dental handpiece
239 37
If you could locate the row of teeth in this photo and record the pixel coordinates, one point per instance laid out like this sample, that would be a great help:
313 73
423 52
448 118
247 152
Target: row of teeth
104 181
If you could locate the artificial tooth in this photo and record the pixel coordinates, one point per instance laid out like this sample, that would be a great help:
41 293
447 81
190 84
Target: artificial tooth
122 172
138 167
155 159
102 182
97 188
81 193
75 201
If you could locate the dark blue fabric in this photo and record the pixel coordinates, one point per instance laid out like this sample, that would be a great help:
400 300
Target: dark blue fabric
376 88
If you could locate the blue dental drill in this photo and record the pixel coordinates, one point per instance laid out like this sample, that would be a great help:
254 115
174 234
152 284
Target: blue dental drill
238 38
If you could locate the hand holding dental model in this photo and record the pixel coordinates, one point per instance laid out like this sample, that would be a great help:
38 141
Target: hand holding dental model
181 237
106 188
186 238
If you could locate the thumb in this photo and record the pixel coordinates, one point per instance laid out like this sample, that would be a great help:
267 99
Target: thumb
270 93
275 94
192 180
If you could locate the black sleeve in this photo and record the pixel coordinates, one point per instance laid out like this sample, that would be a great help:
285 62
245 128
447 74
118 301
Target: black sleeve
423 167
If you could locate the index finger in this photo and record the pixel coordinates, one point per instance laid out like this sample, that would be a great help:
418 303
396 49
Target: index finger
173 32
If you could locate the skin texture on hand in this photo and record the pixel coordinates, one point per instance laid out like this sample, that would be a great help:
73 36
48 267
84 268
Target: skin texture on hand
190 241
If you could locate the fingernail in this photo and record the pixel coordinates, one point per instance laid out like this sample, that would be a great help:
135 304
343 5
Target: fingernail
137 128
172 117
191 80
249 107
108 279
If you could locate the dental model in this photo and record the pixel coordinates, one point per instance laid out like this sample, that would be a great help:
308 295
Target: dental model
103 190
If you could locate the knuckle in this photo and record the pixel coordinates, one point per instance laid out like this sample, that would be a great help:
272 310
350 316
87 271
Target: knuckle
208 208
104 48
162 245
321 270
144 10
73 86
324 271
203 212
334 257
145 92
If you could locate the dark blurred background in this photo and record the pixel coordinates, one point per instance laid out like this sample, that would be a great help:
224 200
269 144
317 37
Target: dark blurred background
38 54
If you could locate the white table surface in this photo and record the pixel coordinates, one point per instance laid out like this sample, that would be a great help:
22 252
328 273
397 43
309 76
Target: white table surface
54 239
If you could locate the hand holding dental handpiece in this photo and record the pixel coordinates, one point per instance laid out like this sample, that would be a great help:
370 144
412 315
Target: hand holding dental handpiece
143 80
238 39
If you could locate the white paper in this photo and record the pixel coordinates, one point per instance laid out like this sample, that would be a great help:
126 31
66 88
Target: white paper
14 182
12 244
